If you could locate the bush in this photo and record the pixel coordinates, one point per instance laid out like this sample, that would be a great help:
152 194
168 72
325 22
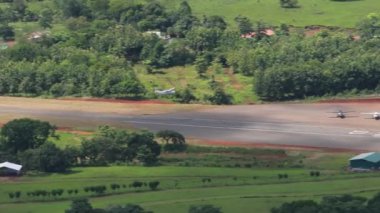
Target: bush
153 185
204 209
220 97
137 184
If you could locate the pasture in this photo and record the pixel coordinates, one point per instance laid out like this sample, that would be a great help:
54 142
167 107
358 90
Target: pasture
180 187
311 12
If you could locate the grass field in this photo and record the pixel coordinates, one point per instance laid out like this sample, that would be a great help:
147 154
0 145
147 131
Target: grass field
311 12
234 188
229 189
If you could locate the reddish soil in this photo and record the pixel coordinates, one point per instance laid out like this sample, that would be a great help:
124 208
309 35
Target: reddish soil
274 146
11 43
70 130
234 82
354 100
124 101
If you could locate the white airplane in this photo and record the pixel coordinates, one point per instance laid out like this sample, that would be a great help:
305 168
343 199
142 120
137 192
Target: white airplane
375 115
341 114
170 91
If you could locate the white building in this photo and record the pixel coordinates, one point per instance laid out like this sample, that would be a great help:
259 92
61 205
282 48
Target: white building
8 168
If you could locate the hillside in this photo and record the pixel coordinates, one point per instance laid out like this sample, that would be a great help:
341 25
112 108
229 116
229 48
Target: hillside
215 52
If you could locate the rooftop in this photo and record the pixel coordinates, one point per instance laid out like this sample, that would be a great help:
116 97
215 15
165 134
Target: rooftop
10 166
369 156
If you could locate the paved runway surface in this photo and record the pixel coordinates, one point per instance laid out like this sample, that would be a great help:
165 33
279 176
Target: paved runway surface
284 124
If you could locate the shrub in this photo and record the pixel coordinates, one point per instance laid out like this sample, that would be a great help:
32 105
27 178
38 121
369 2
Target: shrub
137 184
153 185
11 195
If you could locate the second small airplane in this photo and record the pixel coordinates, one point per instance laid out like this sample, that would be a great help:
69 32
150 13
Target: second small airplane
342 114
375 115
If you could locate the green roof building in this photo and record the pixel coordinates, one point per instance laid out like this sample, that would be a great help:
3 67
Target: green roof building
366 161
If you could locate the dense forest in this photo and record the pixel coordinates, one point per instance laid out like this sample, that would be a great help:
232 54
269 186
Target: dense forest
105 39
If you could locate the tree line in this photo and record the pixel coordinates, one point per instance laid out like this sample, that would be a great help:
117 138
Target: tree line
83 205
338 204
26 141
104 39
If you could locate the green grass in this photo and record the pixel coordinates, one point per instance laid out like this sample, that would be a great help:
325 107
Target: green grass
239 86
67 139
261 196
311 12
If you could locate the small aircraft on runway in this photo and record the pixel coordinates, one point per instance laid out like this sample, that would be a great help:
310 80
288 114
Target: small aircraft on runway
375 115
170 91
342 114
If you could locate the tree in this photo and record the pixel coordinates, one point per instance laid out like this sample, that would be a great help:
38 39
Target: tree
244 24
47 158
52 159
373 204
343 204
203 39
204 209
220 97
129 208
201 65
6 32
370 26
81 205
19 6
214 22
300 206
73 8
186 96
22 134
46 18
154 184
289 3
146 155
100 8
174 141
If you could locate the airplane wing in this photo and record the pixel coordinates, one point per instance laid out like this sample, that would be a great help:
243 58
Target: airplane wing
170 90
369 113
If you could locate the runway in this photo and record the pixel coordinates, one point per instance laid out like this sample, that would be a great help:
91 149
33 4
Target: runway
280 124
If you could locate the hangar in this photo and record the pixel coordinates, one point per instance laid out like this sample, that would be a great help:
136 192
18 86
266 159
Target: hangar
8 168
366 161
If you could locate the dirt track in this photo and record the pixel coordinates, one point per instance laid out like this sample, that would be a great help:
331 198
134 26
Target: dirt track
306 125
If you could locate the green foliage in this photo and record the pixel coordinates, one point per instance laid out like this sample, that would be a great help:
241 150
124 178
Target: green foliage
129 208
6 32
174 141
370 26
46 18
22 134
244 24
46 158
204 209
289 3
186 96
201 64
154 184
81 205
73 8
220 97
344 203
297 206
112 145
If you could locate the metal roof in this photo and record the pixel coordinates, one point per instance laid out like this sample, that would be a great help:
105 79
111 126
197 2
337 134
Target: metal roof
10 166
369 156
